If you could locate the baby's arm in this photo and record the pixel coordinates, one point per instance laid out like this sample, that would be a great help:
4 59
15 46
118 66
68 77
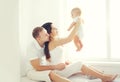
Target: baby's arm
71 25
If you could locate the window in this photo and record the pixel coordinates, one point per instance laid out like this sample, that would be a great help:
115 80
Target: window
100 37
114 28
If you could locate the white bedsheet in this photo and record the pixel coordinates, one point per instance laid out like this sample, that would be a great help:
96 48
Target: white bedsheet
75 78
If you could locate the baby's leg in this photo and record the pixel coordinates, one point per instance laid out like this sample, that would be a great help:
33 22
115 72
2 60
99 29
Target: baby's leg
78 43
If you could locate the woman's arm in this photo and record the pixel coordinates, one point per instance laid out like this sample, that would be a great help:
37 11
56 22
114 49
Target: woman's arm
71 26
35 63
69 37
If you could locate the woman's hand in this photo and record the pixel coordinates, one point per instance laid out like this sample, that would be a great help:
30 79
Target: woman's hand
67 62
60 66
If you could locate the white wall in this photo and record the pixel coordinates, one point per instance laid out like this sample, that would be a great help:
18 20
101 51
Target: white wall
9 41
34 13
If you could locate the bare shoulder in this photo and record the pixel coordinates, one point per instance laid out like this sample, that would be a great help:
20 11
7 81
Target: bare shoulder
52 45
58 42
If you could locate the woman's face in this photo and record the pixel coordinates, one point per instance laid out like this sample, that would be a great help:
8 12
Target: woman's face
54 30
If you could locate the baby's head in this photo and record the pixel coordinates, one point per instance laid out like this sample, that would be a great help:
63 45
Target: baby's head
75 12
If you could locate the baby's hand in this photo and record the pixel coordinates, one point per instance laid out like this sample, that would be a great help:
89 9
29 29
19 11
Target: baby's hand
60 66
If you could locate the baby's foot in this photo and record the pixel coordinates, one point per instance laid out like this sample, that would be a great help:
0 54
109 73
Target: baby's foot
78 50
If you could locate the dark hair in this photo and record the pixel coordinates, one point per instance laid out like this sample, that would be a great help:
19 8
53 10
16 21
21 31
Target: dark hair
36 31
48 28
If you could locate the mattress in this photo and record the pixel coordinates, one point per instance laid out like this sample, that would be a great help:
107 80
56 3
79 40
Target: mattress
74 78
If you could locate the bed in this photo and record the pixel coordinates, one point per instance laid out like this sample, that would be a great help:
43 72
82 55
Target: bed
74 78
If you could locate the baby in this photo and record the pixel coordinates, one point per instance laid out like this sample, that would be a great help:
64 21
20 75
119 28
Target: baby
76 15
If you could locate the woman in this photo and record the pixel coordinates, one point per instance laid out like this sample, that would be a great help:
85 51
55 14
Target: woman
54 54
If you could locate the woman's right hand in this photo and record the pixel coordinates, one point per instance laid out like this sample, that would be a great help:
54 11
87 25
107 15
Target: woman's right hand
60 66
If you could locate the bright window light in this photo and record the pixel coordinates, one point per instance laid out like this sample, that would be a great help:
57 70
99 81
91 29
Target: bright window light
115 28
94 42
101 30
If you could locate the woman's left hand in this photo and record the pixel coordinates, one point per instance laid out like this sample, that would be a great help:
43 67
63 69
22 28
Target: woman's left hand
67 62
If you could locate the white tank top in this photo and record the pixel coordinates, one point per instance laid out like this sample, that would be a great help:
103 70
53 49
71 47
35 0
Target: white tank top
57 55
